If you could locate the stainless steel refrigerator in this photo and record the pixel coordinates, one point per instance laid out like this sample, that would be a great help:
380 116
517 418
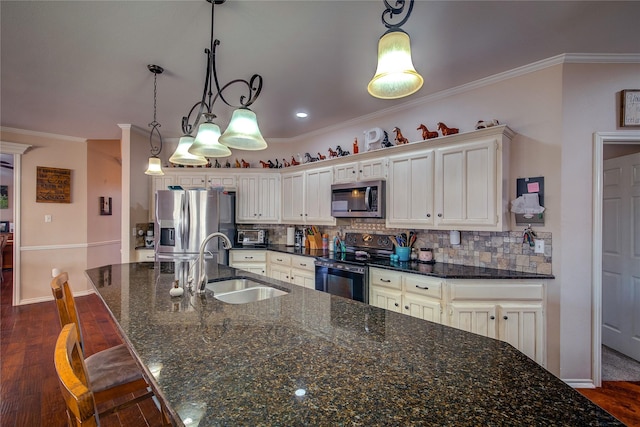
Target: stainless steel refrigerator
185 217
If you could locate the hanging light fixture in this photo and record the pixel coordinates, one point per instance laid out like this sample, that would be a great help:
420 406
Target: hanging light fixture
242 133
154 167
395 76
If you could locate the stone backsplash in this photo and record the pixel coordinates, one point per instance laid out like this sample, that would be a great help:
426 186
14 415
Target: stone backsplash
501 250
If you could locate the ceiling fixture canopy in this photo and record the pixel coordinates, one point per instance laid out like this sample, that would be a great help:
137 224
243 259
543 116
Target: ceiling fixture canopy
242 133
395 76
154 167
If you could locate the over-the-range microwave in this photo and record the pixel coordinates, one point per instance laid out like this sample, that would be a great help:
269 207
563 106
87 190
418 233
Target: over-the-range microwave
358 199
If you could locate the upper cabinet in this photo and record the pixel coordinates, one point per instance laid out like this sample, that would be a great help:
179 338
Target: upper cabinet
306 197
258 198
360 171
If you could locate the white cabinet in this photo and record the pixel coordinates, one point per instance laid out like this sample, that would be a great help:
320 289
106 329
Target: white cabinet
365 170
509 311
145 255
466 186
296 269
306 197
258 198
410 190
254 261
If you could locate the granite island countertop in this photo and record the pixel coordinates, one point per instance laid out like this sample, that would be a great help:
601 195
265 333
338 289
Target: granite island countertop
311 358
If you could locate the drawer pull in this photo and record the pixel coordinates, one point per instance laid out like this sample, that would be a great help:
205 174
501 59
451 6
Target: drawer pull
279 259
248 257
303 264
426 288
385 280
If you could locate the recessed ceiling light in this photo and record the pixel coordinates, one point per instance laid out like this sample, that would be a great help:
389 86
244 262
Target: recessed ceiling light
301 115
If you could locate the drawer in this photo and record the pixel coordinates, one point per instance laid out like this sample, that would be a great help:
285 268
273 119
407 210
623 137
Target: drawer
279 258
497 291
241 255
422 285
387 278
303 263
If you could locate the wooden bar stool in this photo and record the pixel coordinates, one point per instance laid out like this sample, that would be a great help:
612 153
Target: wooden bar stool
111 373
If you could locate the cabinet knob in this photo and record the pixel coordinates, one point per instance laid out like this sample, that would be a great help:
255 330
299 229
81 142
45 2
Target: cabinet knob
505 318
300 214
406 307
492 317
428 215
396 304
439 215
353 171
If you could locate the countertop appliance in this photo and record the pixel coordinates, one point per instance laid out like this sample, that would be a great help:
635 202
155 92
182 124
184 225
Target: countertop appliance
358 199
185 217
252 237
346 274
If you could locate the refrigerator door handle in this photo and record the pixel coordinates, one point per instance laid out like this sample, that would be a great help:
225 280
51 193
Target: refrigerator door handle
187 221
183 221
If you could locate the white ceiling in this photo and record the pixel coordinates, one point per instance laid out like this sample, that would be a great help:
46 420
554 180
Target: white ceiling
79 68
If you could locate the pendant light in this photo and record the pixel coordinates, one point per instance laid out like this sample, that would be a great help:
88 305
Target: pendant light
395 75
242 133
182 156
154 167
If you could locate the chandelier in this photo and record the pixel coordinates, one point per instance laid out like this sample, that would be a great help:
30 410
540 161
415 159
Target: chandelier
242 133
395 76
154 167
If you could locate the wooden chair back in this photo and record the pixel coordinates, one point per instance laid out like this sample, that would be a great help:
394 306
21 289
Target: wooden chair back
73 378
65 303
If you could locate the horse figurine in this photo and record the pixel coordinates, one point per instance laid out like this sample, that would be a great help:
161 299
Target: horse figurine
321 157
278 165
342 152
271 164
400 139
217 164
237 163
245 164
285 163
332 153
227 165
426 133
308 158
264 164
385 141
482 124
294 162
446 130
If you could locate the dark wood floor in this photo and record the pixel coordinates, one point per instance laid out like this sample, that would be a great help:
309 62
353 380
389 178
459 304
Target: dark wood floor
29 393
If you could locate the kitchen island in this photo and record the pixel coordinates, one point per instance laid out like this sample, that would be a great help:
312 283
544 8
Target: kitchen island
311 358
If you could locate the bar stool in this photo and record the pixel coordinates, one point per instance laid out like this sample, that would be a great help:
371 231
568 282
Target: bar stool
111 373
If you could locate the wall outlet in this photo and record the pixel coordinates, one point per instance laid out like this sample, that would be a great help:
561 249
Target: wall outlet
539 248
47 218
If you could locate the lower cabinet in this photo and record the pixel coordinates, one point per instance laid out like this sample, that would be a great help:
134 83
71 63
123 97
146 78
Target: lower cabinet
143 255
511 311
299 270
254 261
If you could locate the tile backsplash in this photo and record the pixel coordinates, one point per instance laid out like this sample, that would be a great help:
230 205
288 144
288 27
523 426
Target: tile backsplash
501 250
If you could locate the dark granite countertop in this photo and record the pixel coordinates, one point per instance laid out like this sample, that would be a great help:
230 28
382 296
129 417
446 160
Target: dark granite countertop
356 364
438 269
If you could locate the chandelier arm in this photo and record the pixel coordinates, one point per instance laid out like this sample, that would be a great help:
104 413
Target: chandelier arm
398 9
187 127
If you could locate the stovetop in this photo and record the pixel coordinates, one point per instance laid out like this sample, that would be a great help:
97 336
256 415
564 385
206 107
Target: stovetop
363 248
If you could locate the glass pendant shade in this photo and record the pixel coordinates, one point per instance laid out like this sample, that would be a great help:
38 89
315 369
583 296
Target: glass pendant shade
395 76
243 132
206 143
182 156
154 167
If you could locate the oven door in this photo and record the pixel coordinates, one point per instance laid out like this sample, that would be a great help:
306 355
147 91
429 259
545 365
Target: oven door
349 281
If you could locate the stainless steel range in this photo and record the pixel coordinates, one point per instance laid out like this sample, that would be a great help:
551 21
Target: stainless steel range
346 274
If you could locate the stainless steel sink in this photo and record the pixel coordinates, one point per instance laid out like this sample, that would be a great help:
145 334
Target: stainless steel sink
242 290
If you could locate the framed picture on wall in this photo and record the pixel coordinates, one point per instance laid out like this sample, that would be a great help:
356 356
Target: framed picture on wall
4 196
630 111
4 226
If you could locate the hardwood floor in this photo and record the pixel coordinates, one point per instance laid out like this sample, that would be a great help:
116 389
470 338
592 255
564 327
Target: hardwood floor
29 393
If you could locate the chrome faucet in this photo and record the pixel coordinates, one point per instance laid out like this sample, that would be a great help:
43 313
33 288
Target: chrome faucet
226 244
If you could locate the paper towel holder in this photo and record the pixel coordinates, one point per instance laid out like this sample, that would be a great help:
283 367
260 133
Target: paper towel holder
528 186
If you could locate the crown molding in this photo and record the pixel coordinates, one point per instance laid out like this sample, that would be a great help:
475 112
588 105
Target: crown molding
565 58
42 134
7 147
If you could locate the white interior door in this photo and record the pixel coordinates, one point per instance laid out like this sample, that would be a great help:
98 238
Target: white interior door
621 255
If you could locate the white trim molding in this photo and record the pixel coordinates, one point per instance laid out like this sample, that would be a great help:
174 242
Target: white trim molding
41 134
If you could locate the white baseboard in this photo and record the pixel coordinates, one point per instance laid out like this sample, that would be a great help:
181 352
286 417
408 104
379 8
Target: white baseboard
50 298
580 383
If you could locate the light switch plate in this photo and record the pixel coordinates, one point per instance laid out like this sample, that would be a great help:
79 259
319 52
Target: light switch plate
539 248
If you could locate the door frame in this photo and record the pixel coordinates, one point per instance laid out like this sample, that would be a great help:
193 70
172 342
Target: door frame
599 140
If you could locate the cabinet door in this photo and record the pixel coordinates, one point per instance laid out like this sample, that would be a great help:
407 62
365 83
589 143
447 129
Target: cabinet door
191 181
385 298
293 198
466 187
521 325
303 278
372 169
246 199
280 272
317 196
346 172
228 182
423 308
268 198
410 190
476 318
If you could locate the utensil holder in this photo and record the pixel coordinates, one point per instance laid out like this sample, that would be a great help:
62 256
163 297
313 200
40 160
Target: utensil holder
403 252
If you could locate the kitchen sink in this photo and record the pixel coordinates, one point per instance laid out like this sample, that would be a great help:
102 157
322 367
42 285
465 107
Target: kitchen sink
242 290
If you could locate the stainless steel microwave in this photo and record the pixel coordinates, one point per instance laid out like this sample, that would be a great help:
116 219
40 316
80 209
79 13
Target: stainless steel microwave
358 199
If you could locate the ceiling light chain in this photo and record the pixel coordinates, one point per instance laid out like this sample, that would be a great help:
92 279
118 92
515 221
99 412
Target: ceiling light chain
154 167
